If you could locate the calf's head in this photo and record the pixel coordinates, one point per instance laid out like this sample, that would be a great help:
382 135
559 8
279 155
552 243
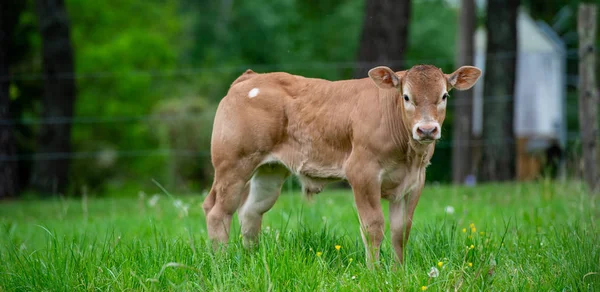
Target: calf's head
423 93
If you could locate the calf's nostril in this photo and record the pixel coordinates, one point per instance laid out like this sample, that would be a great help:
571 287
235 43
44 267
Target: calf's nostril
426 131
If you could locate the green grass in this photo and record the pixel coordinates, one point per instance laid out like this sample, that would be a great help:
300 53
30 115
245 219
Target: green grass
537 237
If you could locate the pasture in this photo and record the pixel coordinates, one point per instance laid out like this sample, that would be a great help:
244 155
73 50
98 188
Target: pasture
540 236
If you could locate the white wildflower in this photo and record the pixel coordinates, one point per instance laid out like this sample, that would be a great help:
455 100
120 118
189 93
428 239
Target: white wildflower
183 208
177 203
449 210
106 158
434 272
152 202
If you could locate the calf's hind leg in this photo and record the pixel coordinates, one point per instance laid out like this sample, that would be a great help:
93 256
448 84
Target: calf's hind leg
225 197
265 187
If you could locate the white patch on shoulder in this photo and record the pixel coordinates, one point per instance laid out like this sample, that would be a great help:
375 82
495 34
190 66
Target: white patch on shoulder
253 93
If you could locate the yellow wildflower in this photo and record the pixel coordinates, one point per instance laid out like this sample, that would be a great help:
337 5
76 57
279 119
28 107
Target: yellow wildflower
319 253
472 246
423 288
464 230
473 229
440 264
350 259
470 264
472 225
337 247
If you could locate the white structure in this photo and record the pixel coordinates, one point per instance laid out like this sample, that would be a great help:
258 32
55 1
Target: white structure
540 89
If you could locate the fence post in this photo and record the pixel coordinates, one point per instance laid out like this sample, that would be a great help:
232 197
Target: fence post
588 93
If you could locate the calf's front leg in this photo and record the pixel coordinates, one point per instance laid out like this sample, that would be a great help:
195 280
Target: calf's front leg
401 214
367 195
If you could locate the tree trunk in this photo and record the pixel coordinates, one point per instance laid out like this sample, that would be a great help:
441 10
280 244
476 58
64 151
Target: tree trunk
463 100
588 93
50 176
498 159
384 36
9 180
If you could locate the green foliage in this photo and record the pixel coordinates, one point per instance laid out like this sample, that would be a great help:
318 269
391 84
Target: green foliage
301 37
432 34
133 57
121 49
535 237
185 126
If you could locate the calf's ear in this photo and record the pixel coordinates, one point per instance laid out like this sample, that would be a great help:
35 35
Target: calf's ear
464 78
384 77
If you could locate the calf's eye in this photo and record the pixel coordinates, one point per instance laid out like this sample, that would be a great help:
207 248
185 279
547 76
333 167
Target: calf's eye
406 98
445 96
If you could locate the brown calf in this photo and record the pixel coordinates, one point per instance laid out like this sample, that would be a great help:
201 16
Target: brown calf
377 133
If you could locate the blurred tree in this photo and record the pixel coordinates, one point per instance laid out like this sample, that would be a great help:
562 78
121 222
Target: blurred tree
10 10
25 87
50 176
384 38
498 160
463 100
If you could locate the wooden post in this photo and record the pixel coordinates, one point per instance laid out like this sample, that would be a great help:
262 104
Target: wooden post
588 93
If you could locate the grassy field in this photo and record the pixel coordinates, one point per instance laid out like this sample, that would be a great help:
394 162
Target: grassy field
516 237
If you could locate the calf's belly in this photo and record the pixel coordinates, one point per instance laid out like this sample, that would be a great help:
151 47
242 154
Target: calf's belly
314 173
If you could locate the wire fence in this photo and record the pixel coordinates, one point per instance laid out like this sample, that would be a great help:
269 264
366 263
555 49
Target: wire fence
120 121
